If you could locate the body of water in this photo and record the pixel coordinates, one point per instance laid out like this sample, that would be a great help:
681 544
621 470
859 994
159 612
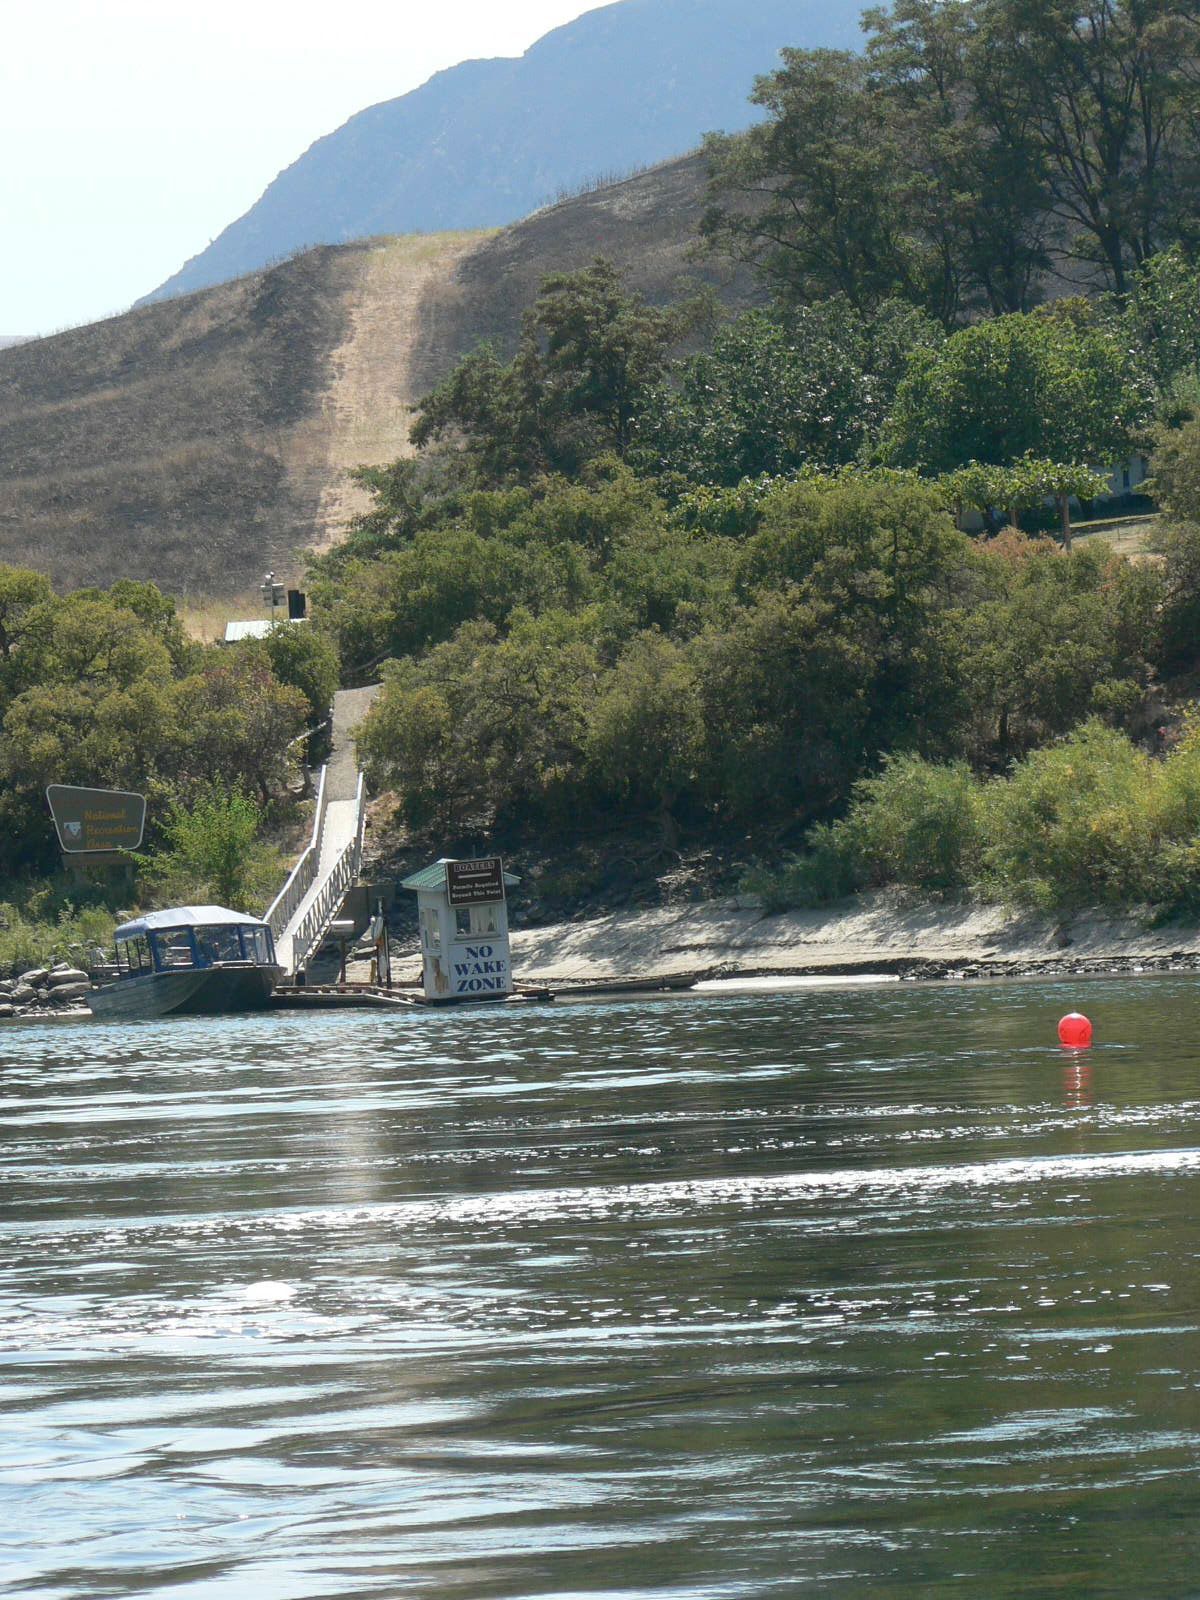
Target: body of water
843 1292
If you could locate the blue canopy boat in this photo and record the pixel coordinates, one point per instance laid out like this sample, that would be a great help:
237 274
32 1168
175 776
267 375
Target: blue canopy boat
190 960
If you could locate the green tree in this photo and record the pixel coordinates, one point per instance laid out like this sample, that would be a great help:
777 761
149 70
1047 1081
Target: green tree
24 597
212 854
813 195
485 727
1059 386
1105 81
843 649
1179 617
1163 316
589 352
1176 471
973 171
771 396
108 734
237 725
645 733
1047 642
305 659
1024 485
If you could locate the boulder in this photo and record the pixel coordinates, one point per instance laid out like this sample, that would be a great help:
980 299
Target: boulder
6 1010
70 991
6 986
60 975
34 976
22 993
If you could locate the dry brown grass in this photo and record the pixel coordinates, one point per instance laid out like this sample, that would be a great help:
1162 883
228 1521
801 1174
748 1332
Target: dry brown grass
204 620
198 442
1128 536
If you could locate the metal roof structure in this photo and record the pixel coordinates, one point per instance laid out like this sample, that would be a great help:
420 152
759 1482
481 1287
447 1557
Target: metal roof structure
235 632
434 877
186 917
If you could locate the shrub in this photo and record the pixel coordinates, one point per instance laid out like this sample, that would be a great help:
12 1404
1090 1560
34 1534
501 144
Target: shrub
917 823
214 854
817 878
1075 824
72 934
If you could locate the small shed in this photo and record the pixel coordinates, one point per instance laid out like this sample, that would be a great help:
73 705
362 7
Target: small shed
463 912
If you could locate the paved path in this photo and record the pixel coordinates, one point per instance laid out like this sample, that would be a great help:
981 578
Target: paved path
350 706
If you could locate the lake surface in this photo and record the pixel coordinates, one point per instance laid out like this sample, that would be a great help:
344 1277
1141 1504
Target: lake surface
839 1292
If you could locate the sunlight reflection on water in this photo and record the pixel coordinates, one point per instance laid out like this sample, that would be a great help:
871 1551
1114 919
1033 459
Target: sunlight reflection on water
847 1291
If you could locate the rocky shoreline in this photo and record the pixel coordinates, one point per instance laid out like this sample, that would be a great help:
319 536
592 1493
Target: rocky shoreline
1061 967
884 933
60 990
673 947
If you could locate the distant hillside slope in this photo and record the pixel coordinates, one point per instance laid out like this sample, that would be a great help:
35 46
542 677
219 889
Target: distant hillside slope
488 141
201 440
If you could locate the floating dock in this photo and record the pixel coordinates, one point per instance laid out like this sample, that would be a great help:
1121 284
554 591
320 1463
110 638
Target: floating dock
364 996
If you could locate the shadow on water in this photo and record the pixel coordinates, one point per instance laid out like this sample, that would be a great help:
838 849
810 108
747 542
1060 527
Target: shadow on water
841 1291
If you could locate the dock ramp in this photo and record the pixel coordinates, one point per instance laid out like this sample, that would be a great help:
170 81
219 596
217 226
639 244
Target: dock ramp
302 913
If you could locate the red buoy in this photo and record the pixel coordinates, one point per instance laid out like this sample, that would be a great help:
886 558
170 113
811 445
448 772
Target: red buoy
1075 1031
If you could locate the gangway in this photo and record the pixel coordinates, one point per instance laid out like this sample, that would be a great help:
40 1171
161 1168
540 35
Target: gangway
306 907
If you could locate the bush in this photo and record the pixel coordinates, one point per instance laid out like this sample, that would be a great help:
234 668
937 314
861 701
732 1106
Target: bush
72 934
1092 820
918 824
817 878
1076 824
1179 618
1176 467
214 854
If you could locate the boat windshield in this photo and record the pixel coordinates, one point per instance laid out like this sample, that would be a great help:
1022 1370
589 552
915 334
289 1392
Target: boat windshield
242 943
173 949
218 944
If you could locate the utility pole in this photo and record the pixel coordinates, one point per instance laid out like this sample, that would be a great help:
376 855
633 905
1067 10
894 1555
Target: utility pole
272 593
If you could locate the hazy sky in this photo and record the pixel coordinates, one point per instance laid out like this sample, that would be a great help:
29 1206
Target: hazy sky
135 130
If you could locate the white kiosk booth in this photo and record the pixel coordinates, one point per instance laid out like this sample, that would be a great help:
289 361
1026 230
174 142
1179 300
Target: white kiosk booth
464 929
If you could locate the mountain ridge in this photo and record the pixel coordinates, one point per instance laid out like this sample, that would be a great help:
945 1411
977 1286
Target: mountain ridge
484 143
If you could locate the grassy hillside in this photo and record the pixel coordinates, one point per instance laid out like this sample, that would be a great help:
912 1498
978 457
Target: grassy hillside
154 444
648 224
201 440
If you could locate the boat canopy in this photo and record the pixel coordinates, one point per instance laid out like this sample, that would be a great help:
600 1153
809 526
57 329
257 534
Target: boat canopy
186 917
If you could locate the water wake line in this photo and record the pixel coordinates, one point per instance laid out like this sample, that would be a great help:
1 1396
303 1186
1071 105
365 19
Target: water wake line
660 1198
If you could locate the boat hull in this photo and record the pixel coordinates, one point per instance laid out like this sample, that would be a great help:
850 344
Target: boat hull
194 991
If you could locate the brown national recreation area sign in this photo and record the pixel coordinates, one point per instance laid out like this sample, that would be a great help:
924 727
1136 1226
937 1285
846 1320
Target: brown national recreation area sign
90 820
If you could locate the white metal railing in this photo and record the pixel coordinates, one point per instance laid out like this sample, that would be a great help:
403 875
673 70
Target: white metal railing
300 880
317 919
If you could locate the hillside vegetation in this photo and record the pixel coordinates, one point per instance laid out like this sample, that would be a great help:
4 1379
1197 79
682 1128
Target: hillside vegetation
724 589
694 578
197 442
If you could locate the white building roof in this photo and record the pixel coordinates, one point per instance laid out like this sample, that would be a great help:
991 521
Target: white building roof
257 629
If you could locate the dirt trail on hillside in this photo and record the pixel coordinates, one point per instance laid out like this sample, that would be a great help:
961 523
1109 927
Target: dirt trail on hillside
366 411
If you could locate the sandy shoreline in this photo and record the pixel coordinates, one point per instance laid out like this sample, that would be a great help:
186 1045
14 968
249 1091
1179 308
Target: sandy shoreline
878 933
